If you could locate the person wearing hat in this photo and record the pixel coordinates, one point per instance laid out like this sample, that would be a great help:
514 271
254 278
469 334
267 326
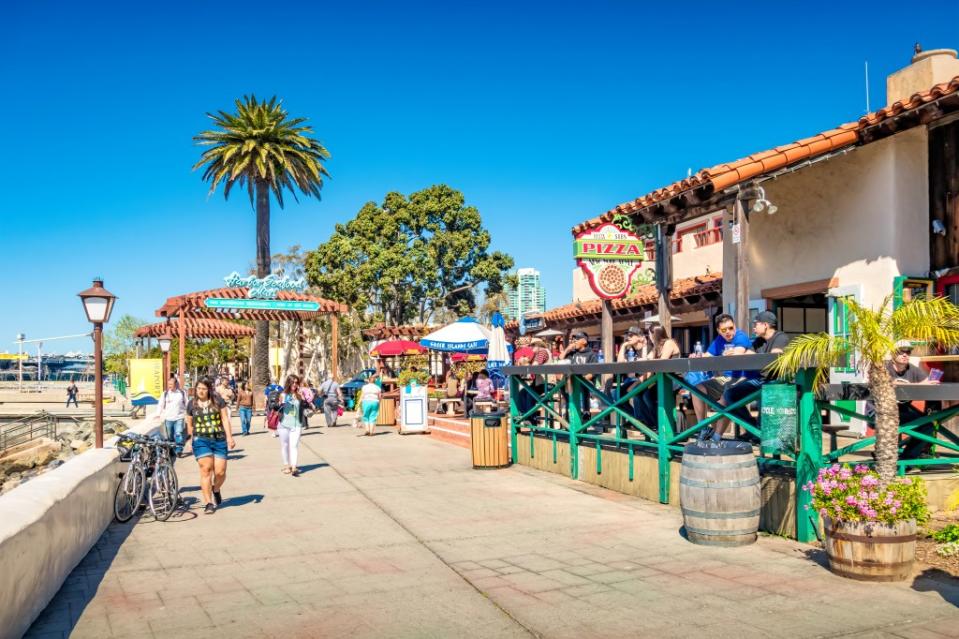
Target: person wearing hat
635 340
579 352
768 340
902 371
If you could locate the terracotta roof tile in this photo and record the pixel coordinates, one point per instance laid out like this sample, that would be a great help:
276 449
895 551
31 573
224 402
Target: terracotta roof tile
198 328
193 304
728 174
645 296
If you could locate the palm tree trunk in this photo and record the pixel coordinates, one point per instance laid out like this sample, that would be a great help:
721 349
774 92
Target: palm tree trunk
887 421
261 349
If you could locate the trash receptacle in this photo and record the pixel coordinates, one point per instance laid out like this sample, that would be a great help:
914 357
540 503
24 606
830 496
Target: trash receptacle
489 440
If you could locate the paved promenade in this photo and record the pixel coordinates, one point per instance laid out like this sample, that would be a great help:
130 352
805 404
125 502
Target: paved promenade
396 536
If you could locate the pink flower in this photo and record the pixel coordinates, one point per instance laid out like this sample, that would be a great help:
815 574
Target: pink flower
851 500
861 469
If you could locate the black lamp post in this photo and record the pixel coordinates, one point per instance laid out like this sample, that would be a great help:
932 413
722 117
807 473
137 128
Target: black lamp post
98 304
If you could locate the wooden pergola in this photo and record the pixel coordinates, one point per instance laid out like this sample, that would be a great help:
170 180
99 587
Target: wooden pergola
292 306
195 329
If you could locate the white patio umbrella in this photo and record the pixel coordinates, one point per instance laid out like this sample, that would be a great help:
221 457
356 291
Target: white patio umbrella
465 335
498 353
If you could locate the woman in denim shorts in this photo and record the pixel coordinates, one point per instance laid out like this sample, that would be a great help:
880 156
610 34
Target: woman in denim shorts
208 425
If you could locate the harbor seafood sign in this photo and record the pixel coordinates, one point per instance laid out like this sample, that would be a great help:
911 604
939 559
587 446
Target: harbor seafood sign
610 257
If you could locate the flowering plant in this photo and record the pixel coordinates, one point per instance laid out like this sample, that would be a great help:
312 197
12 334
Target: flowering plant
857 495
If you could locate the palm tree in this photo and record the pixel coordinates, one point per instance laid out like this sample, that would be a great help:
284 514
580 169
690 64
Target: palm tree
259 147
872 338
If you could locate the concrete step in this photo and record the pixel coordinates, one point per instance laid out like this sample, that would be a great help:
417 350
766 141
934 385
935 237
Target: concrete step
450 430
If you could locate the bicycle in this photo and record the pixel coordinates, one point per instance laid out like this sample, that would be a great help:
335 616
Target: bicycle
150 461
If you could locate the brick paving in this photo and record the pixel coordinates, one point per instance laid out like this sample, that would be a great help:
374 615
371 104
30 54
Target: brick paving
396 536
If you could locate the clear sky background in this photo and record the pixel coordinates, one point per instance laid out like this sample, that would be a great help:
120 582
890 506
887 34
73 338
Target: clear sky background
544 115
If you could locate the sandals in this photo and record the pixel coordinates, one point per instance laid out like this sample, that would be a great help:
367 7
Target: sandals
295 472
286 470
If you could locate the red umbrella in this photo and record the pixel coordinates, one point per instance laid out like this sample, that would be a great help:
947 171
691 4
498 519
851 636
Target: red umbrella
466 357
397 347
525 351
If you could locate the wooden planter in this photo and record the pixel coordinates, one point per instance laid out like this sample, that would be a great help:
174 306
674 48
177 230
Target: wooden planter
719 493
871 552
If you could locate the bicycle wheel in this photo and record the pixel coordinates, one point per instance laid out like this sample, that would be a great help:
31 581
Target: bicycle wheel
163 494
129 494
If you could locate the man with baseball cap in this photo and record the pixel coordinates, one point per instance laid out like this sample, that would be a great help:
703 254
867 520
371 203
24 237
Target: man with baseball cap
579 352
768 340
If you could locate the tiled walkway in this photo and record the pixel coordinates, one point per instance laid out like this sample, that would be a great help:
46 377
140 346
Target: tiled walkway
396 536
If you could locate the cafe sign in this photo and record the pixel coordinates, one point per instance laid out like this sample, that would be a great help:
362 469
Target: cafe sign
610 256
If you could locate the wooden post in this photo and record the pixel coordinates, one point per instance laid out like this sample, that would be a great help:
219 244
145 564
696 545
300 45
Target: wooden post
335 336
181 365
742 267
300 328
606 331
729 263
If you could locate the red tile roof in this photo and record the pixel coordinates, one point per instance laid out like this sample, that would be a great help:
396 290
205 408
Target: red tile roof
646 296
722 176
198 328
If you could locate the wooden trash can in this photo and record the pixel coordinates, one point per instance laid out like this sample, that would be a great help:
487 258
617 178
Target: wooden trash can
870 551
489 440
719 494
387 414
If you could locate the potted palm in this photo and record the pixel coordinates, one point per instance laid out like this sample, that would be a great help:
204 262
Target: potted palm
870 516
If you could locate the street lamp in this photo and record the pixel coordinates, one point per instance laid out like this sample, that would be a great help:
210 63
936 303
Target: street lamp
98 304
165 340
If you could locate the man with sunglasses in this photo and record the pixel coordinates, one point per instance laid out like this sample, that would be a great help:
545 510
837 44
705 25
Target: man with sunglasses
729 341
903 372
768 340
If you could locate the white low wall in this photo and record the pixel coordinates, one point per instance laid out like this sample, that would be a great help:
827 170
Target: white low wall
48 525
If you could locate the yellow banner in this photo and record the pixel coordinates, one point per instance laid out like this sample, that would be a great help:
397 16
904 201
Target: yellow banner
146 381
13 356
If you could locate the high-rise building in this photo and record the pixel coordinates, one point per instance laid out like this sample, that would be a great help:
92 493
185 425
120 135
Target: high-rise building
528 297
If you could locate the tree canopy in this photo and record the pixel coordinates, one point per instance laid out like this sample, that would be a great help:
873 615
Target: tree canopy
408 258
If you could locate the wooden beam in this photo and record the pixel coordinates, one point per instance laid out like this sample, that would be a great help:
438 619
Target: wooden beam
729 262
335 348
606 330
742 266
181 365
801 289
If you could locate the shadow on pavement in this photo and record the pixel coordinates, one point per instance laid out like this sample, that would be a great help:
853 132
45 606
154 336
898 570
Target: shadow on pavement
241 500
61 614
818 555
940 581
309 467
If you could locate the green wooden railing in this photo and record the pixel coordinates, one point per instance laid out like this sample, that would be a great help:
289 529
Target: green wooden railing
564 385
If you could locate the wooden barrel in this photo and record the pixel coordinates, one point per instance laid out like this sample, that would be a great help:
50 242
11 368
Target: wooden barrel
719 494
387 414
871 552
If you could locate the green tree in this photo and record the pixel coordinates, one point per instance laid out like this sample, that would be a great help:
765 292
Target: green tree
872 338
120 337
261 148
410 258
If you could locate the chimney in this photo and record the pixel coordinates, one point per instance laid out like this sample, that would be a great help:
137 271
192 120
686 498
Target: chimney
928 69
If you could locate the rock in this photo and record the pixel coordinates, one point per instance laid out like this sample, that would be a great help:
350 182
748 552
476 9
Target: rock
28 455
79 445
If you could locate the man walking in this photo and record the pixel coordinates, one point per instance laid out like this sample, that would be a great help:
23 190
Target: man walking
172 410
72 394
332 400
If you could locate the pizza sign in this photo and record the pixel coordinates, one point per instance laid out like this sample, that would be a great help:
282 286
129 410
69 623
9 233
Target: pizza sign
610 257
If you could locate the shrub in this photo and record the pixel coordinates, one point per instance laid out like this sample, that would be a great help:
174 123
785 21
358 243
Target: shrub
947 535
857 495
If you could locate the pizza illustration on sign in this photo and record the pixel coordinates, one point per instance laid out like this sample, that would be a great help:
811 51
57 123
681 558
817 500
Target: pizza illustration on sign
610 257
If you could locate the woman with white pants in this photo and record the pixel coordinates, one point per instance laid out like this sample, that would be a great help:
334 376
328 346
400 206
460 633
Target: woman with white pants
290 426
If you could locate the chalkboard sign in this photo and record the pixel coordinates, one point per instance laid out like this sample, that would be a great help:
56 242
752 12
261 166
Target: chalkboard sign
779 419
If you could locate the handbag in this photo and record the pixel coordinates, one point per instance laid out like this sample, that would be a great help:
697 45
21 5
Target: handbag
339 411
273 419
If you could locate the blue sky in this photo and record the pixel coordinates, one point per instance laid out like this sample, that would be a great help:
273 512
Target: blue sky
544 115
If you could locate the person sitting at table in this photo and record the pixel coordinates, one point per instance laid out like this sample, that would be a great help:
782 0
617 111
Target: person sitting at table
484 387
729 341
580 352
646 404
768 340
635 347
904 372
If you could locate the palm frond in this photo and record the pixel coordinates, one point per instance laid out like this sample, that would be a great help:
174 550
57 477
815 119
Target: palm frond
928 320
260 144
818 351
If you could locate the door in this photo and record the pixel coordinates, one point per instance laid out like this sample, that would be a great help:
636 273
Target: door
838 324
